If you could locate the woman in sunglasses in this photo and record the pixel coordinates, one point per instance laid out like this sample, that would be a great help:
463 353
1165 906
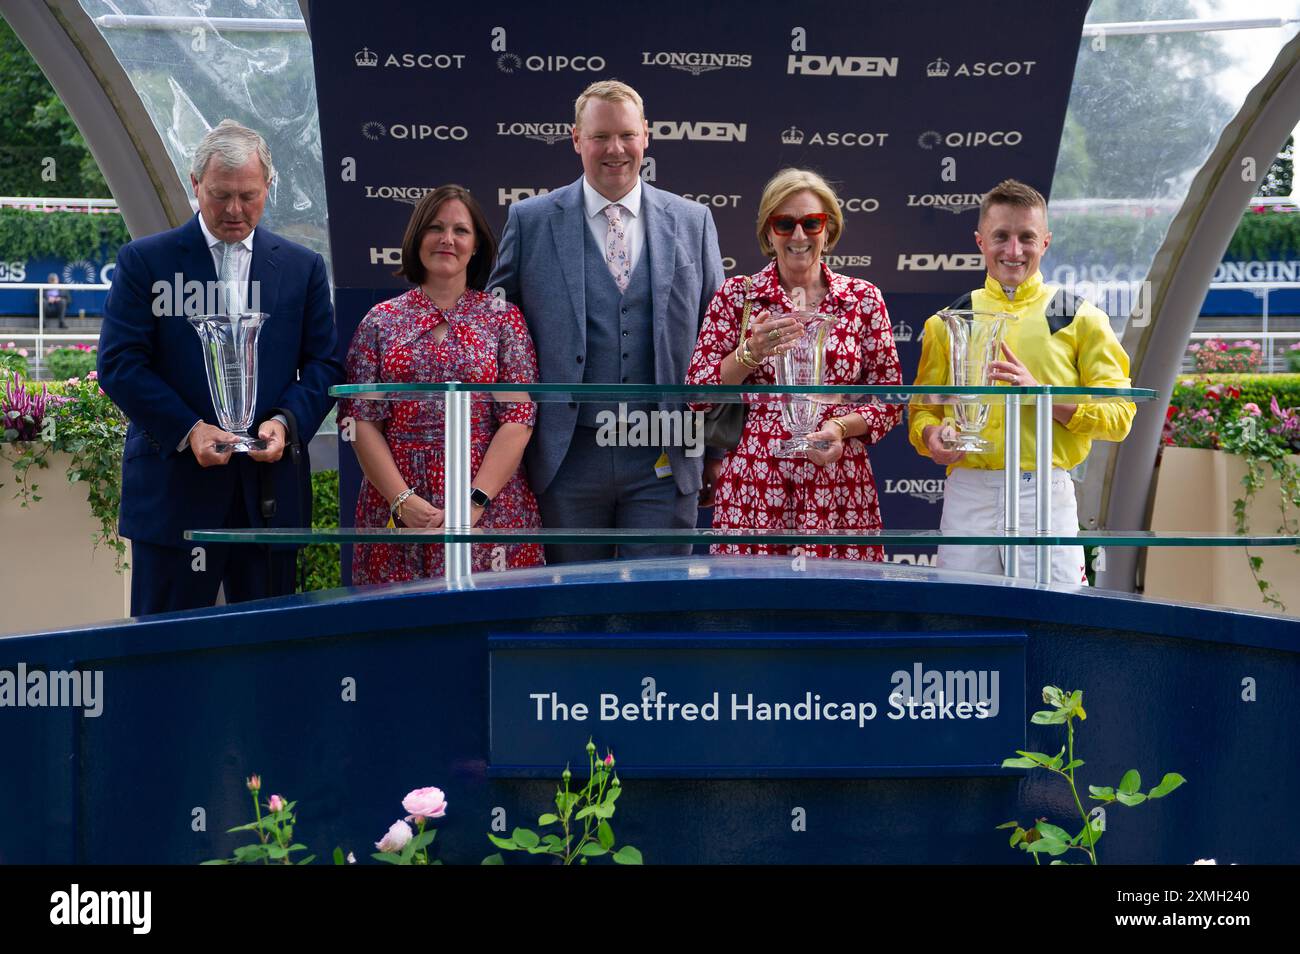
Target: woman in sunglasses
798 219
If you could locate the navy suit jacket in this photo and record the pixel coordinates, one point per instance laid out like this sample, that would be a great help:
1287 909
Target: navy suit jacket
151 365
540 267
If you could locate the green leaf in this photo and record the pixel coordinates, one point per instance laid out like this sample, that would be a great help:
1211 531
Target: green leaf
552 841
1017 836
408 852
493 860
1106 794
1049 845
593 850
338 857
1167 784
525 838
308 860
612 794
246 854
605 834
547 819
1136 798
1019 763
1010 824
1043 717
1052 695
588 810
276 852
627 855
424 839
1073 765
217 861
1131 782
1051 832
506 843
387 856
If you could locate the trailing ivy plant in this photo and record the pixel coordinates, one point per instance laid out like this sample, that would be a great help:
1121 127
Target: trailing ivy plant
25 234
1044 838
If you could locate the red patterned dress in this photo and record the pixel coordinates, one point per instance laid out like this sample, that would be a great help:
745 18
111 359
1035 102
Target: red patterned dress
395 343
758 491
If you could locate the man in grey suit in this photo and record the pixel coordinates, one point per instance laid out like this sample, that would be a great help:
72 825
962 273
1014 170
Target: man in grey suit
613 277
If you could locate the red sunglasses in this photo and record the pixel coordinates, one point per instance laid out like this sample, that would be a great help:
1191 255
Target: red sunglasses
784 224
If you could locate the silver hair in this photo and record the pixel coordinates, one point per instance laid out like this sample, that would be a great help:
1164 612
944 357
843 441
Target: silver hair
233 145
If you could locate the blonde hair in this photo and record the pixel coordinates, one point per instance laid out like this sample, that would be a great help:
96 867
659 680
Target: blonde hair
788 182
1014 193
612 91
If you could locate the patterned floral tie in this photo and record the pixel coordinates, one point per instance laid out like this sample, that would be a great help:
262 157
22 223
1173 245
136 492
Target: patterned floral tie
616 256
231 293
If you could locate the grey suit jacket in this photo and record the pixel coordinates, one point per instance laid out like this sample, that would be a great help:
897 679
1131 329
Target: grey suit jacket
540 268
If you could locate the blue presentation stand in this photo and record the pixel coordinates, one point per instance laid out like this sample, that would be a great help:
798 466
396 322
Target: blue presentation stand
759 712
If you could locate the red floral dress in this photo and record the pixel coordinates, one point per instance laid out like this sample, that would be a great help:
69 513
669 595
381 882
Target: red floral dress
483 343
758 491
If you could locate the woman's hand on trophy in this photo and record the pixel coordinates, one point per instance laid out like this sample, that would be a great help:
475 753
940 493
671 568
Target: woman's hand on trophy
833 437
418 513
1012 370
772 334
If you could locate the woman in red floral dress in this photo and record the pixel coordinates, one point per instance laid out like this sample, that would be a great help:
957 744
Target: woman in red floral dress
444 329
798 219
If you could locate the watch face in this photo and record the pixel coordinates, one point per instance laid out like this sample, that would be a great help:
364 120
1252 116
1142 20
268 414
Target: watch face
479 498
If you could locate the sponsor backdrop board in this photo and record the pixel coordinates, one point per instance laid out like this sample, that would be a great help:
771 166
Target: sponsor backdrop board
912 112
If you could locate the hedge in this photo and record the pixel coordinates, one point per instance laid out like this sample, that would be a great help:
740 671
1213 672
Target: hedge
322 559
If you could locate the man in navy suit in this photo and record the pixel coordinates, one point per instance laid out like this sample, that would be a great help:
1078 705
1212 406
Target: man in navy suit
151 365
613 277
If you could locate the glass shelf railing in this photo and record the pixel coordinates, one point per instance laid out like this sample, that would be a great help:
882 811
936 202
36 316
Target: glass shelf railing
1020 538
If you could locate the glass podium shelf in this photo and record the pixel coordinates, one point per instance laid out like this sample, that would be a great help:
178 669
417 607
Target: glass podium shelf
736 393
1025 538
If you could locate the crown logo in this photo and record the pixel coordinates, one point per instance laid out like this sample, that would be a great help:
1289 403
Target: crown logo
902 331
938 68
792 136
366 58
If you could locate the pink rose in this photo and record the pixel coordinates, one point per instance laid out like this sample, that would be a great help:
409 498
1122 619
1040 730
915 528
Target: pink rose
276 803
254 784
1251 408
92 376
425 803
395 839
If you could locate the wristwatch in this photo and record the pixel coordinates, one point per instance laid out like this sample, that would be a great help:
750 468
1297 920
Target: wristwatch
478 498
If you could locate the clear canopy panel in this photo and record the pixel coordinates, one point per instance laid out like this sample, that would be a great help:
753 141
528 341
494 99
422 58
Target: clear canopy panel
194 64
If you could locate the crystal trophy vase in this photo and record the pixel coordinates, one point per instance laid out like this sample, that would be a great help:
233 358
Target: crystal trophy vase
230 360
975 341
804 364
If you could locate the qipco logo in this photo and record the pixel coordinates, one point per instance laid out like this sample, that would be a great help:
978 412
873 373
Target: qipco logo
375 131
859 205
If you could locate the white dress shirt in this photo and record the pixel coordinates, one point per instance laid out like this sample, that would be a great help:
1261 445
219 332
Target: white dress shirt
633 222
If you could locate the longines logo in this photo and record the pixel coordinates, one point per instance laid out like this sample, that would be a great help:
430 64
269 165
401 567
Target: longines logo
549 133
514 63
810 64
517 194
367 58
859 204
699 132
697 63
374 131
942 69
925 262
794 136
717 201
929 489
408 194
951 202
903 331
837 262
960 140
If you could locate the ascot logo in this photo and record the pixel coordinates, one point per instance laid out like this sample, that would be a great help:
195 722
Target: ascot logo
951 202
697 63
959 140
408 194
717 201
929 489
902 331
925 262
510 63
810 64
699 132
368 59
794 136
374 131
837 262
549 133
518 194
942 69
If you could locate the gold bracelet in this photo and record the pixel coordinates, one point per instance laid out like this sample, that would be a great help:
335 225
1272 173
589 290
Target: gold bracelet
844 428
745 358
